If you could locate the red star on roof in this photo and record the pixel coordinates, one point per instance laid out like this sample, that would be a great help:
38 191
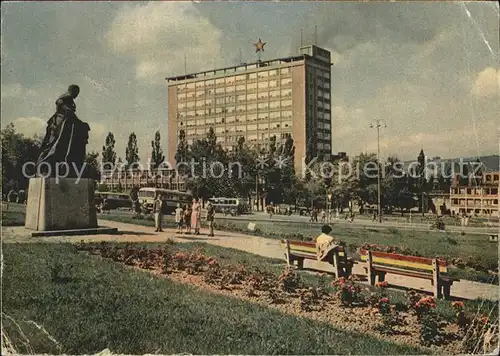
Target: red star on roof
259 46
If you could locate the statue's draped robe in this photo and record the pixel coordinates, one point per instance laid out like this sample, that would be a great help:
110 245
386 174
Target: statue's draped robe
65 139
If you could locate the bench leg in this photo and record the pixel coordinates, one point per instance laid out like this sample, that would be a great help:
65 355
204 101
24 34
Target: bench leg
381 276
447 291
438 290
300 263
372 276
347 271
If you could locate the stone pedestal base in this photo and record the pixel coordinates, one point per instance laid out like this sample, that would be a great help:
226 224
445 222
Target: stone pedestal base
60 204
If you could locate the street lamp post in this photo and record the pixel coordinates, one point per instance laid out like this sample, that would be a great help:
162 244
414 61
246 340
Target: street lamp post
378 124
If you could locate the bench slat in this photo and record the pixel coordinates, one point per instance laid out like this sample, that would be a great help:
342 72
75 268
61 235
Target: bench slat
309 248
396 256
403 263
403 272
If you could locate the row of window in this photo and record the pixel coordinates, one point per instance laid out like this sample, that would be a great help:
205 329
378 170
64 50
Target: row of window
476 191
228 80
200 94
250 138
241 128
323 136
476 202
256 112
235 100
324 146
491 177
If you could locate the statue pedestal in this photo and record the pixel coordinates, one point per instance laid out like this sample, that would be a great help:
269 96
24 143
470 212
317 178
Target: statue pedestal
63 204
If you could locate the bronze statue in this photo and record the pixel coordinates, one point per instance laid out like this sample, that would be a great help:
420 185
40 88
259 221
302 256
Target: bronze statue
65 139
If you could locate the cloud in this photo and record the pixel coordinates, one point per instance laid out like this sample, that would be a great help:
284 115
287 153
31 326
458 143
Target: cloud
96 136
30 126
487 83
16 90
13 90
159 34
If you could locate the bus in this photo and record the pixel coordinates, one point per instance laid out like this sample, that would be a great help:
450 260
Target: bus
234 206
170 199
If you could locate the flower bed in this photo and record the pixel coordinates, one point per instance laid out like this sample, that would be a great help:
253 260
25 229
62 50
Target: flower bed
349 306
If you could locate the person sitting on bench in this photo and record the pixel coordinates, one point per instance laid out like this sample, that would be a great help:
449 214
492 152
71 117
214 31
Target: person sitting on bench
324 242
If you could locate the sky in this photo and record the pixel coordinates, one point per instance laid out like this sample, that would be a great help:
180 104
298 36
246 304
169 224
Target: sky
430 71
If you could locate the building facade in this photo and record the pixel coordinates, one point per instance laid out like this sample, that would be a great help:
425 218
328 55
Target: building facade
476 198
126 180
286 96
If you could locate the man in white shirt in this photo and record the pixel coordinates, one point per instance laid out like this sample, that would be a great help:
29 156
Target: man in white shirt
179 215
324 242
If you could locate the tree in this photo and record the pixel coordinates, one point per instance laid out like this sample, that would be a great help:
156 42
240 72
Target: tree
271 173
286 159
92 165
132 151
421 181
157 157
108 152
242 161
365 167
18 152
182 153
210 176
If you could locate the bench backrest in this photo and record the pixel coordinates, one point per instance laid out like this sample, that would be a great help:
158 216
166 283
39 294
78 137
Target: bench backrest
402 261
307 248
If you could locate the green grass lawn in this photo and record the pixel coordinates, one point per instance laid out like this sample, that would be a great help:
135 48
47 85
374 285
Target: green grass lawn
95 304
14 215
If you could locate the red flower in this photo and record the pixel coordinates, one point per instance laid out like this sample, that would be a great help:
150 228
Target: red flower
457 304
384 300
382 284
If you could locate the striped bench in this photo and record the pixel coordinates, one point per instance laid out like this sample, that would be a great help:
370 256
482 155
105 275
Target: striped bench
302 250
378 264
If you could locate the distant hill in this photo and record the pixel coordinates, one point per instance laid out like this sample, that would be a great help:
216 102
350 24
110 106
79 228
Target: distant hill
490 163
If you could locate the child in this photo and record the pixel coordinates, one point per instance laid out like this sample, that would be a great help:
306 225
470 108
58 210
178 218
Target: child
179 217
187 218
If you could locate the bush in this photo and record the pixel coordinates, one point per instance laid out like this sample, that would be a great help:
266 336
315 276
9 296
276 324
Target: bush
289 281
438 224
388 314
348 292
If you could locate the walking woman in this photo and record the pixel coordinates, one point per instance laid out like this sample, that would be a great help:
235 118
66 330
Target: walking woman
187 218
196 215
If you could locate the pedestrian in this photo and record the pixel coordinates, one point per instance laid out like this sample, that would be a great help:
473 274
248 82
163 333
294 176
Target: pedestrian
179 217
157 209
323 215
210 218
187 218
12 196
104 205
195 216
374 217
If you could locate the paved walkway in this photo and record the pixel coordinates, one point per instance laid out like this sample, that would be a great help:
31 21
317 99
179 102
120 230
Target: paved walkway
253 244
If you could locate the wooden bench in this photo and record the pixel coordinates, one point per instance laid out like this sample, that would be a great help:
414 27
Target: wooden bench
302 250
378 264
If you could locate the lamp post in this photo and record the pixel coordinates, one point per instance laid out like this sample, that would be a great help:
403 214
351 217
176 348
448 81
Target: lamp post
329 204
378 124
